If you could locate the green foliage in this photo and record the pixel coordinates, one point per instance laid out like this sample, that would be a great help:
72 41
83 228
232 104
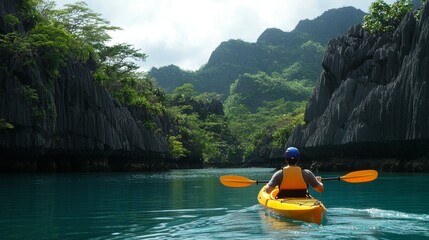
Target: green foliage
263 109
276 118
283 127
30 93
78 31
29 11
265 84
330 24
383 17
190 129
119 56
176 148
254 89
11 20
202 133
15 49
87 26
187 90
32 97
274 51
117 70
117 67
273 80
172 77
38 113
51 42
209 97
137 90
116 64
13 43
418 13
55 46
5 125
312 46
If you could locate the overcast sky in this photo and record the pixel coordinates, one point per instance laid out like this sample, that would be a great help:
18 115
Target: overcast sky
186 32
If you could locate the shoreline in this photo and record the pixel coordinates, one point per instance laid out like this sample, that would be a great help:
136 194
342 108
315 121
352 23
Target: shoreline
91 164
417 165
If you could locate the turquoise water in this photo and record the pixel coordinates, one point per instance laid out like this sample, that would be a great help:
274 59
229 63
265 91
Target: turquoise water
192 204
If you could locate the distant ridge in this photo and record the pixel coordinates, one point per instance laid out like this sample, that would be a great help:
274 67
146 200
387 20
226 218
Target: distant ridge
273 51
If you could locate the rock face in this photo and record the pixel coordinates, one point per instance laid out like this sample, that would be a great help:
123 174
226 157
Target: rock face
70 123
372 98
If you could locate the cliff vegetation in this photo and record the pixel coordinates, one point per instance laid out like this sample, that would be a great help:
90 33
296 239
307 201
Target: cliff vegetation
70 102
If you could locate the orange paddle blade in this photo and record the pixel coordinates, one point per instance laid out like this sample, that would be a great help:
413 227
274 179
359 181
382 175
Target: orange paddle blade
360 176
236 181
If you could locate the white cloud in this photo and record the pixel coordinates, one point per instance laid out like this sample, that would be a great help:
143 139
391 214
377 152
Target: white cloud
185 32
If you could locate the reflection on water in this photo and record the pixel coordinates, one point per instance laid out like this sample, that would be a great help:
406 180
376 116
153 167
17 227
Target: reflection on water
277 222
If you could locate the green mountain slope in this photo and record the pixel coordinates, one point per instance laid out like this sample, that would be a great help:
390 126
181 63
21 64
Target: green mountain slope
273 51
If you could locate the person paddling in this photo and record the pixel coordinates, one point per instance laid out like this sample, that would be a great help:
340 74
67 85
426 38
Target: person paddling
292 180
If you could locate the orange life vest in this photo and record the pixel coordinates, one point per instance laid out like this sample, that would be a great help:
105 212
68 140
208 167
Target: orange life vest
293 184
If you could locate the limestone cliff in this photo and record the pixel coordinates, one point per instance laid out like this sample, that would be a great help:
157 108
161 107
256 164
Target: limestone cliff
69 123
372 98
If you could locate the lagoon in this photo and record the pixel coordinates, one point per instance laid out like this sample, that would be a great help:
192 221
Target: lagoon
192 204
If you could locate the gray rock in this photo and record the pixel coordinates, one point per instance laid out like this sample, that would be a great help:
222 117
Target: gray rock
372 98
69 122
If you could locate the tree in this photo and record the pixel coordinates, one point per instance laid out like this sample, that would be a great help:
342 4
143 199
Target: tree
383 17
90 28
187 90
176 148
55 46
87 26
50 41
116 65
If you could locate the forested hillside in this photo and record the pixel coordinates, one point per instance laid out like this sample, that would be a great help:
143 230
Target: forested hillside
71 102
265 85
273 51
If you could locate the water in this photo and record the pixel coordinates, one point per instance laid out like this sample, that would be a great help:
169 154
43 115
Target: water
192 204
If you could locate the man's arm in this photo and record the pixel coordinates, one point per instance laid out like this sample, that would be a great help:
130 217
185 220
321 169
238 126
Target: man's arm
315 182
275 180
319 187
268 188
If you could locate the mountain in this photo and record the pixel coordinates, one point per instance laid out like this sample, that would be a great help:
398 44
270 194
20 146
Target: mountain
330 24
371 101
273 51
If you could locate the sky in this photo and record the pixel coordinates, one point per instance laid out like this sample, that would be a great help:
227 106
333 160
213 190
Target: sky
186 32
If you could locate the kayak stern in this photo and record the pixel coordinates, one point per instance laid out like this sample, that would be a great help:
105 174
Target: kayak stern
304 209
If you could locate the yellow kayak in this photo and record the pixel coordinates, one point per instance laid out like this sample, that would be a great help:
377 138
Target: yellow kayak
304 209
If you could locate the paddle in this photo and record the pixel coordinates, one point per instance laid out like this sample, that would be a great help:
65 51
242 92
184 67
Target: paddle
352 177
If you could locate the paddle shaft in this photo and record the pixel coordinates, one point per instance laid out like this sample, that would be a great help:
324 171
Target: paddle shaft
368 175
323 179
261 181
331 178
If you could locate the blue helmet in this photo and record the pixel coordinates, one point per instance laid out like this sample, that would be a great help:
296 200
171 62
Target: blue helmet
292 153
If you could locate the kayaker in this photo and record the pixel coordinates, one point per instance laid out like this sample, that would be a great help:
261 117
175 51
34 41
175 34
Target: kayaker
292 180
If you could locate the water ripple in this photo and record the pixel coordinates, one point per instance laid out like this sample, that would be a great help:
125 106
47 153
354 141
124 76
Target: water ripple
255 222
